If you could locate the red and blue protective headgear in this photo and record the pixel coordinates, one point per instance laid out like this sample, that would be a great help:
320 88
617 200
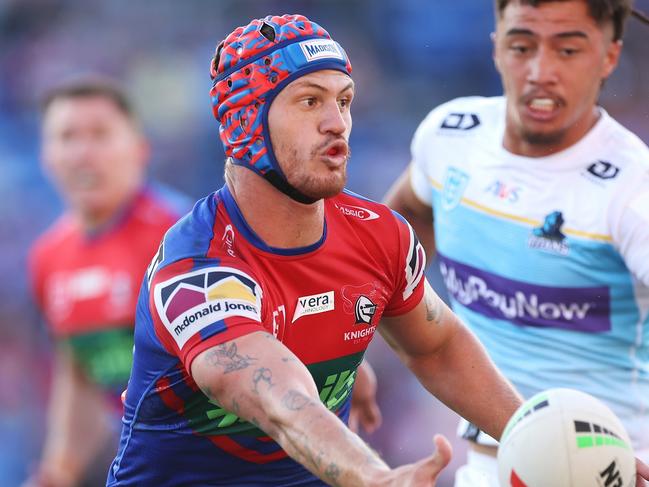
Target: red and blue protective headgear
249 69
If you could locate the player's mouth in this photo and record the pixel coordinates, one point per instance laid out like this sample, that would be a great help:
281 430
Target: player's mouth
542 108
84 180
335 153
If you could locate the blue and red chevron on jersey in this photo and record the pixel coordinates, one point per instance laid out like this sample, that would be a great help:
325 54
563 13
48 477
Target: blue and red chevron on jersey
214 280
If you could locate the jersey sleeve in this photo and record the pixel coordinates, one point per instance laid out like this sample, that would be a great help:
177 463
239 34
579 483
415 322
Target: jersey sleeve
196 306
630 230
411 262
418 171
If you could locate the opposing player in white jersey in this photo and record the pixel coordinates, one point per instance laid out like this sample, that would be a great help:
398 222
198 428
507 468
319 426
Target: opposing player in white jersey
540 205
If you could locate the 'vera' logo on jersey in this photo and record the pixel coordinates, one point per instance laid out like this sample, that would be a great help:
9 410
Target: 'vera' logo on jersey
460 121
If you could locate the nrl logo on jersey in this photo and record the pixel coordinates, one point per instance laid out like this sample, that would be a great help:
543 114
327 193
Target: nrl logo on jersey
191 302
549 237
314 304
455 184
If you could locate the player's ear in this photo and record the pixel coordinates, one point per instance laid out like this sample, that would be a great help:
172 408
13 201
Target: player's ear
494 51
611 58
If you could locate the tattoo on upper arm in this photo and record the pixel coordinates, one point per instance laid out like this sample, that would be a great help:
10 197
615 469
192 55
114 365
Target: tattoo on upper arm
260 376
433 306
227 356
295 401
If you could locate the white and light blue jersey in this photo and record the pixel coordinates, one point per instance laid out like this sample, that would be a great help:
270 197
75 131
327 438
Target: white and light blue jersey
546 259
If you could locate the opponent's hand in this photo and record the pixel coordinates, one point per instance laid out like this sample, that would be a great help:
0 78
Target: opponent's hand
642 470
365 412
424 473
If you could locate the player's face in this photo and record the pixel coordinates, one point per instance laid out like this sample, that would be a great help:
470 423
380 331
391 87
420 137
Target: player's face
552 60
94 154
309 123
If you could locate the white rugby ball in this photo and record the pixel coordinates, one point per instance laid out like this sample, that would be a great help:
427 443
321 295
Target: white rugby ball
565 438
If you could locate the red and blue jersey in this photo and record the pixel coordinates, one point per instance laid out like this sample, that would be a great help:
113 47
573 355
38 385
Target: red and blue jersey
214 280
86 286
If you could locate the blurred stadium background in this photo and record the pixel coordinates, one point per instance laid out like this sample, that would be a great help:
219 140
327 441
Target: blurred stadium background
408 56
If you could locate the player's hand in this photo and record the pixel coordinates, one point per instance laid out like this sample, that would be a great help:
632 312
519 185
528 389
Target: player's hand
365 412
48 478
424 473
642 470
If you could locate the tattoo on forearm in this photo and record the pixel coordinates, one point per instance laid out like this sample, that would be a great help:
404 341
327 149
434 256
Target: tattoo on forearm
295 401
332 472
261 376
228 357
235 408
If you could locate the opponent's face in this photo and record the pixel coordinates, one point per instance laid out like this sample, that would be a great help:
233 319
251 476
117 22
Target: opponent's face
309 123
94 153
552 60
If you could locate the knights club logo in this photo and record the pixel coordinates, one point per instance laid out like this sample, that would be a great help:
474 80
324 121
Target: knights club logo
362 302
364 310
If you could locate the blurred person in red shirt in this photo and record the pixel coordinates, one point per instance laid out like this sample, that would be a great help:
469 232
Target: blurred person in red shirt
86 270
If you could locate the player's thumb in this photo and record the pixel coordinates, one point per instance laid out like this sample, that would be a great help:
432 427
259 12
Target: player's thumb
441 457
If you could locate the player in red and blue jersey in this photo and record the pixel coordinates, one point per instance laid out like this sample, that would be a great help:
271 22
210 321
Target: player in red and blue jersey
256 312
87 267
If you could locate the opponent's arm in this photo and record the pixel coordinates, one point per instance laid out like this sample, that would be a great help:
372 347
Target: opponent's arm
260 380
451 363
402 199
364 412
75 427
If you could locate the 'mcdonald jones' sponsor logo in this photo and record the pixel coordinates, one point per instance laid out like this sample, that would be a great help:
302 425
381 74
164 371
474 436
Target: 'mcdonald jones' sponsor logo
190 302
358 212
573 308
317 49
218 307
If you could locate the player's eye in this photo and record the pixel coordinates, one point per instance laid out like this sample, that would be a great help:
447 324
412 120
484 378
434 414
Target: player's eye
519 48
568 51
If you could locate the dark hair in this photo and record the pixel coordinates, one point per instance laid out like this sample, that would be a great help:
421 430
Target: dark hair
602 11
90 86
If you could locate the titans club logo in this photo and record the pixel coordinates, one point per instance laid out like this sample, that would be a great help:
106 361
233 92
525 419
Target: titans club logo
202 299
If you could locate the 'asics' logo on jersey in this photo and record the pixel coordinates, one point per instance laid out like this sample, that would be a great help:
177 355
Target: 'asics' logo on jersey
358 212
573 308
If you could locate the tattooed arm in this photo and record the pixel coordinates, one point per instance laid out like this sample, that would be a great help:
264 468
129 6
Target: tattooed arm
262 381
451 363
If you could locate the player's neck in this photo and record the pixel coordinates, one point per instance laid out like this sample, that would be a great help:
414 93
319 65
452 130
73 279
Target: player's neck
277 219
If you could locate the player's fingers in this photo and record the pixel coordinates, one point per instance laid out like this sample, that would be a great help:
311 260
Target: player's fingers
353 420
372 418
642 470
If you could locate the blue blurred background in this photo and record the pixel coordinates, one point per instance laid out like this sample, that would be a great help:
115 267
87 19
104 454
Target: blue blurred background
408 56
